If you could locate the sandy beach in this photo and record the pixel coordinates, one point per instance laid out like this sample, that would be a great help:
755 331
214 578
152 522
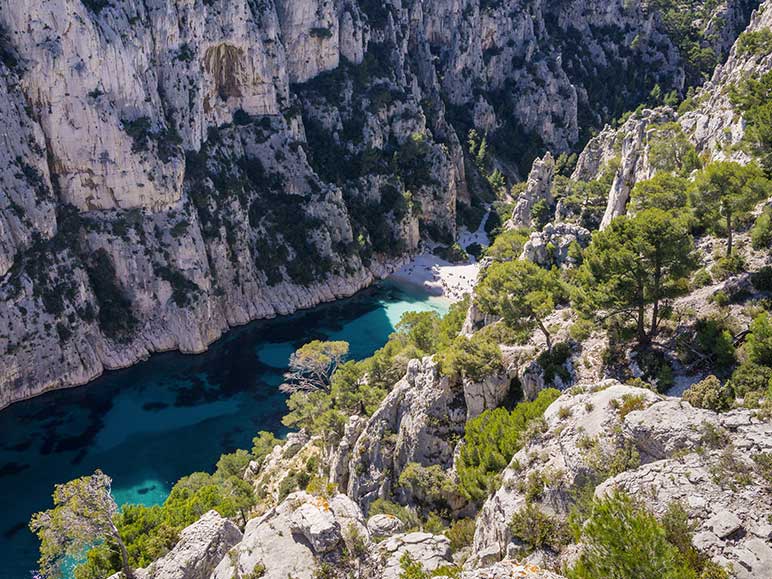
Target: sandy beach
442 278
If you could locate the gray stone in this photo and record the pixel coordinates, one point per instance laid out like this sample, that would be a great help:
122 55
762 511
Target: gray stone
201 547
384 525
724 523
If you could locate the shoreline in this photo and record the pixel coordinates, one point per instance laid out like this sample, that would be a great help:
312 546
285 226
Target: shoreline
442 278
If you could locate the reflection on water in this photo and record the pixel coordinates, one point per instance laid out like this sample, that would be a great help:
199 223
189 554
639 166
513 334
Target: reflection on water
162 419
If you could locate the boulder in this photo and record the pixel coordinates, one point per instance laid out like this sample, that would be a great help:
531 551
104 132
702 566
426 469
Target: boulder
201 547
510 569
295 537
384 525
431 551
316 522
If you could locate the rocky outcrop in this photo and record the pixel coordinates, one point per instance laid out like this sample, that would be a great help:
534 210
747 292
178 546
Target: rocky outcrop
430 551
538 188
717 480
510 569
578 438
201 547
384 525
417 422
552 245
649 446
296 537
633 161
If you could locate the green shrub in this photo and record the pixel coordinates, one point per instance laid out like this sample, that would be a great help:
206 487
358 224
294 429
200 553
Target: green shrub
679 532
748 378
755 42
711 344
631 403
537 529
409 568
553 363
656 368
759 342
763 462
461 534
452 253
475 250
701 278
709 394
762 279
720 298
581 329
726 267
429 485
404 514
761 233
621 539
492 439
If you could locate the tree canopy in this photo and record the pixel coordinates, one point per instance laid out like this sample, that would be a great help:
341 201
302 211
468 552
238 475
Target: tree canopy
312 366
636 262
724 193
522 293
83 514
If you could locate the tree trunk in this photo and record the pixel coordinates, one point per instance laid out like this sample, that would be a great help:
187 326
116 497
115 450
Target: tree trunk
729 234
655 306
127 570
642 338
125 567
547 336
654 319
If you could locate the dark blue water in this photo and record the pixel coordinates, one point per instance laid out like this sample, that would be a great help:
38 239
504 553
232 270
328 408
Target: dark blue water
151 424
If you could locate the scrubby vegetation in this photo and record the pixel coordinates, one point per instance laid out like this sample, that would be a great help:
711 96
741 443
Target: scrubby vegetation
150 532
492 439
622 539
417 334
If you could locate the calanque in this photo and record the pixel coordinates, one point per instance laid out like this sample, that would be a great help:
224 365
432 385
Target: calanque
566 374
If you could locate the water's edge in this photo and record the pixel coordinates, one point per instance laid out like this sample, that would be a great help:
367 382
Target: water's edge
173 414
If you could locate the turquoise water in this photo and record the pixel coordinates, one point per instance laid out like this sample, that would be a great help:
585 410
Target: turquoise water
162 419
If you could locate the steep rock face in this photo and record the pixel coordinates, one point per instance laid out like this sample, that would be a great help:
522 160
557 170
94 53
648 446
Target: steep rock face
419 421
634 165
715 126
27 202
296 537
538 188
188 166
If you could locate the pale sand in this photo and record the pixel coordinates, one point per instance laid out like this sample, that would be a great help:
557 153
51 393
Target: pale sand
441 278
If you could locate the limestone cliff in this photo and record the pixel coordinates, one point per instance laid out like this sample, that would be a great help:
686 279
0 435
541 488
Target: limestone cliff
171 169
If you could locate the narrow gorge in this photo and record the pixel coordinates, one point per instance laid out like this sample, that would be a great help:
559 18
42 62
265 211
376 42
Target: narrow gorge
588 183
